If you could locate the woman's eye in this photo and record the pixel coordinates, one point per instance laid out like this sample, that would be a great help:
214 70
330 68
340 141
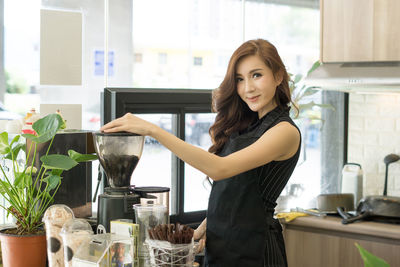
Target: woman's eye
238 79
256 75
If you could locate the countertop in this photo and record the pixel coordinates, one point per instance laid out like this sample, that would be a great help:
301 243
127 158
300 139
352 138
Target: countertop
333 225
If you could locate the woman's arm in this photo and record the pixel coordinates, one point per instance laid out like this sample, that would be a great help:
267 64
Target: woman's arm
200 234
278 143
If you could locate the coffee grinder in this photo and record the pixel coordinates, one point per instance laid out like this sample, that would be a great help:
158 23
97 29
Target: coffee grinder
118 153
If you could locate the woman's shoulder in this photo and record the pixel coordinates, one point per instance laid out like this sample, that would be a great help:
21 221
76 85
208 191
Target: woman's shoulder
272 118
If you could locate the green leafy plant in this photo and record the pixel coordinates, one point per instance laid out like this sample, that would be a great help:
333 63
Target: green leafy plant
15 84
370 260
27 190
300 92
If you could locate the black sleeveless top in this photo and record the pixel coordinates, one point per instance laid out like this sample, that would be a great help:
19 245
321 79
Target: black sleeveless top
241 230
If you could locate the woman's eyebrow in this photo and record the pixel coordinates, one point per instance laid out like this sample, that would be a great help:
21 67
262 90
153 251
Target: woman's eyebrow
252 71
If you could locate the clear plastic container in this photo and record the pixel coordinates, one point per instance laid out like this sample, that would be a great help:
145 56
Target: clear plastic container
105 250
54 219
74 232
148 216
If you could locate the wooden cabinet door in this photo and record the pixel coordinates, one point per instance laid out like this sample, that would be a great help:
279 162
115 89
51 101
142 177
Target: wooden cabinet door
305 249
386 30
347 30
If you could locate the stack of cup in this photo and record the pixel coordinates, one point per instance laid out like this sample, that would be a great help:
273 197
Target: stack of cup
74 232
54 219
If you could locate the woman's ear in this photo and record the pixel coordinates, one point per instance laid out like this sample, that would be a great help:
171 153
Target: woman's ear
278 78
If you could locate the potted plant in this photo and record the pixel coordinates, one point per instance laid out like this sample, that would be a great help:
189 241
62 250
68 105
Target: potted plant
28 190
301 96
371 260
308 113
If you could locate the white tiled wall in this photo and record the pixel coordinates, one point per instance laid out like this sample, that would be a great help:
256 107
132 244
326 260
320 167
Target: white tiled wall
374 132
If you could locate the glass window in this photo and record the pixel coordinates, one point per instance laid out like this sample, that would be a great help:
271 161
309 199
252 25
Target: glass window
193 28
154 154
184 113
197 187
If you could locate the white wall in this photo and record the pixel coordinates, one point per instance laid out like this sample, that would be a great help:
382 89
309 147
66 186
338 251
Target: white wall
374 132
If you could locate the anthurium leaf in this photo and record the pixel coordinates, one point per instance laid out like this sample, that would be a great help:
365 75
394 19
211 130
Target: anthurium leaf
15 139
78 157
19 180
56 172
310 117
310 91
52 181
29 136
15 151
45 128
314 67
4 187
370 260
297 78
313 104
50 123
4 146
57 161
27 179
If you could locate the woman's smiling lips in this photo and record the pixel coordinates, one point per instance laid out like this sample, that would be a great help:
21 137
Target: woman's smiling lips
253 98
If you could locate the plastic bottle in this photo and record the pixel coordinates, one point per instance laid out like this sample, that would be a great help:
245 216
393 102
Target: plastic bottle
352 181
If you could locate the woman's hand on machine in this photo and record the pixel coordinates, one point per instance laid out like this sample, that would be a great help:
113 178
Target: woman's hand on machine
129 123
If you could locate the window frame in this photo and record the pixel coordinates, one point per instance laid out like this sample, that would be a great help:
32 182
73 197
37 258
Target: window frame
118 101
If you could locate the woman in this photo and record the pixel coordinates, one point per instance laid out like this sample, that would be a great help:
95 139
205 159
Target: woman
255 150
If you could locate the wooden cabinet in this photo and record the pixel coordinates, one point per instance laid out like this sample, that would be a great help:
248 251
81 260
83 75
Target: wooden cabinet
326 242
360 30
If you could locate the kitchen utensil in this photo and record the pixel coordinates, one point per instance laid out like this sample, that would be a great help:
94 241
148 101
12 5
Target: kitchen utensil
352 181
311 212
387 160
329 202
384 208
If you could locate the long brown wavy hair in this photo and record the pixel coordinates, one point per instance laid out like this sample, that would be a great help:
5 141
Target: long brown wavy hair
233 114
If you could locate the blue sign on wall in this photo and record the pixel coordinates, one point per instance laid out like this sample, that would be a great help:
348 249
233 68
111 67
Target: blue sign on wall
99 63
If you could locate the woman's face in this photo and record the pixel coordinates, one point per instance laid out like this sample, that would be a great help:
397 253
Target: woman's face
256 84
